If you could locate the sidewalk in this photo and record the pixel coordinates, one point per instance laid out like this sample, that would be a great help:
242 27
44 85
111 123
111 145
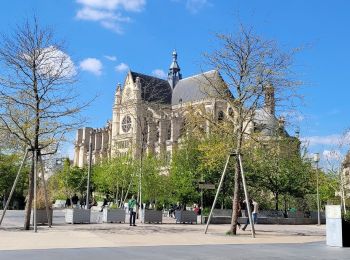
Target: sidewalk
122 235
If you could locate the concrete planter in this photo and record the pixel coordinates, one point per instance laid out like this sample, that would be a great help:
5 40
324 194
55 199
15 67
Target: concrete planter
41 216
346 233
185 216
337 229
77 215
152 216
114 215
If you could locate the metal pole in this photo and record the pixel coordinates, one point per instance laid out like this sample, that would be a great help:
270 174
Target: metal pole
246 195
89 172
342 190
318 198
48 212
217 193
14 186
202 206
35 154
140 185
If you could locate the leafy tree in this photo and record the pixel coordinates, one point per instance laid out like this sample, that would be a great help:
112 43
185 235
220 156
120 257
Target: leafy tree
214 149
9 165
184 174
329 183
278 167
68 181
115 176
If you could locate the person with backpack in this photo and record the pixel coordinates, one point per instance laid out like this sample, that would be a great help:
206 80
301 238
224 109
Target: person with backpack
132 205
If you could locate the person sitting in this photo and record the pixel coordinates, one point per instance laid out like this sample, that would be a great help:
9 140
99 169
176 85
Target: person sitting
68 203
105 203
75 200
196 209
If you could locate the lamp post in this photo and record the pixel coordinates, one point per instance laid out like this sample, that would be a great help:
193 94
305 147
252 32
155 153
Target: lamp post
316 161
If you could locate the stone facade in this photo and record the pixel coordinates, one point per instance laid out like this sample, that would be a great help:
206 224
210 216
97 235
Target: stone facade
149 115
346 175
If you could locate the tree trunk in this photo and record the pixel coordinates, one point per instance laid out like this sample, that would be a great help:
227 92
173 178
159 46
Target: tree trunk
285 206
28 208
276 200
235 202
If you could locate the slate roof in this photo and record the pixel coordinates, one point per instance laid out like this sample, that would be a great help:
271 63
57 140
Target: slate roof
196 87
267 124
153 89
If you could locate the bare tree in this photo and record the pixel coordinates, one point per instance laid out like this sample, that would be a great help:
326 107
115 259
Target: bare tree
254 71
38 102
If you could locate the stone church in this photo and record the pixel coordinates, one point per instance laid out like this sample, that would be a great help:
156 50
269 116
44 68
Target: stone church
148 115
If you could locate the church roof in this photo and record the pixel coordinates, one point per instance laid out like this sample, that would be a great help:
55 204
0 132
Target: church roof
153 89
197 87
267 124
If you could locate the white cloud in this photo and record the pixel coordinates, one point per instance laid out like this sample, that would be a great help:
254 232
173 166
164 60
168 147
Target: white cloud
293 116
128 5
332 155
115 27
111 58
122 67
88 13
108 12
194 6
334 140
159 73
53 63
91 65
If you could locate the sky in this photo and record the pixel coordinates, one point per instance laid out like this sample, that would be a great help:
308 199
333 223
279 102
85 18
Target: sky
105 38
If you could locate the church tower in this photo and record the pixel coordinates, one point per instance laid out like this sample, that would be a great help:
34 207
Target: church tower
270 99
174 74
116 117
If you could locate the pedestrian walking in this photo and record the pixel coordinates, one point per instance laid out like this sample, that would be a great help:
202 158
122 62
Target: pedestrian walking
255 211
251 207
132 210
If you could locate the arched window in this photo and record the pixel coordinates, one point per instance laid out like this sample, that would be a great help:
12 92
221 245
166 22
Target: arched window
183 128
168 136
220 116
157 136
230 112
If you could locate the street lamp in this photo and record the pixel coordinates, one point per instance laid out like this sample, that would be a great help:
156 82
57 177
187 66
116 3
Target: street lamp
316 159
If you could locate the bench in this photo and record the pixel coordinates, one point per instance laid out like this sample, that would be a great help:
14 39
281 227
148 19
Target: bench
59 204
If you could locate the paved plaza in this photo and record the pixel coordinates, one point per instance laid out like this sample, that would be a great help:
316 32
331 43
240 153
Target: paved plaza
160 241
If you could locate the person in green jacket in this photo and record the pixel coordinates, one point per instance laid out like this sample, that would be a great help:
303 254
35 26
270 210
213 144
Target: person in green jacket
132 210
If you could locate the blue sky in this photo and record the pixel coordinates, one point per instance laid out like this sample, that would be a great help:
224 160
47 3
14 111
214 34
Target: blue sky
106 37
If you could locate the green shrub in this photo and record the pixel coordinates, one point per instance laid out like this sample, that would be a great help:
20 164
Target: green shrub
346 216
113 206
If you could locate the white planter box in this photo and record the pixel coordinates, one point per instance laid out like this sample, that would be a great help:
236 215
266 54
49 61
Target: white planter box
77 215
185 216
114 215
152 216
41 216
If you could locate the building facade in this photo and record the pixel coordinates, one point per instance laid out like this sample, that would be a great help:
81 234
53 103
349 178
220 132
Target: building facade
149 115
345 177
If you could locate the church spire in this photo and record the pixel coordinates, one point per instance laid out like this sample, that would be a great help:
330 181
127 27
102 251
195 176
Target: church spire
174 74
